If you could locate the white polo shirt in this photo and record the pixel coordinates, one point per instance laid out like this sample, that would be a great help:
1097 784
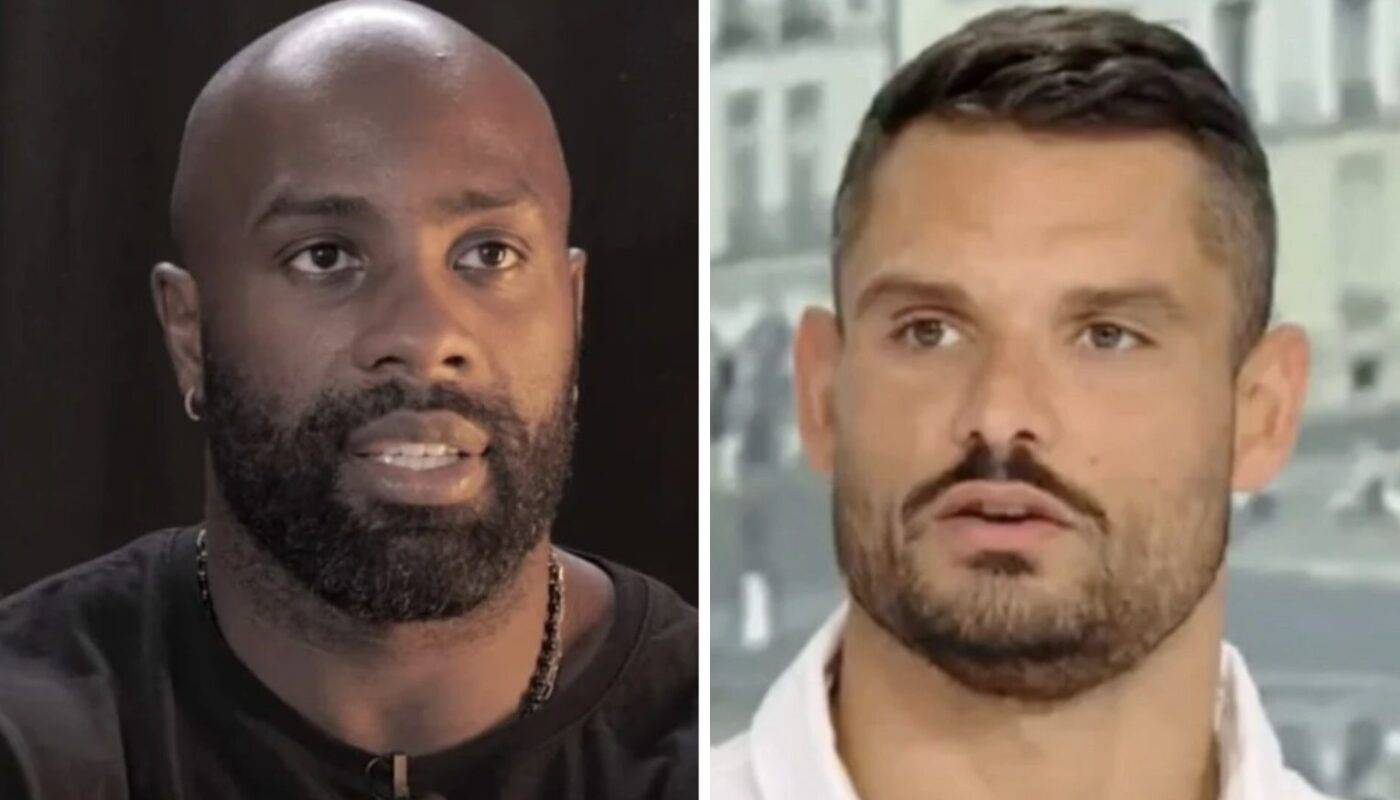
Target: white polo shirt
790 749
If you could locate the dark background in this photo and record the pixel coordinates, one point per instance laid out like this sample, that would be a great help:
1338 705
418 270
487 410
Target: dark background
94 445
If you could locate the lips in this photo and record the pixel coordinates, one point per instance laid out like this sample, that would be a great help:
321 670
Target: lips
1001 502
978 516
418 440
433 458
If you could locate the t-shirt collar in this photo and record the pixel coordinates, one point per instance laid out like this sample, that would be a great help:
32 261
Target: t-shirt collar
793 743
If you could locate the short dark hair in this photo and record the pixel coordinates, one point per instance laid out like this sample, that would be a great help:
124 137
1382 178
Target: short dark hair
1062 69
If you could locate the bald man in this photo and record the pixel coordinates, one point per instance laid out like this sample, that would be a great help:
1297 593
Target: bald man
375 319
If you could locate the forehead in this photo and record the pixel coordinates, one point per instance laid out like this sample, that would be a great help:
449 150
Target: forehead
995 202
396 133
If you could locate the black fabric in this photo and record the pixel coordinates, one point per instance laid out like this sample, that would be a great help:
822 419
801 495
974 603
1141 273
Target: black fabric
118 686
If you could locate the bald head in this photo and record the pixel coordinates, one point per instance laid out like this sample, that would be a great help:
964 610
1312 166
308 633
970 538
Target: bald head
384 80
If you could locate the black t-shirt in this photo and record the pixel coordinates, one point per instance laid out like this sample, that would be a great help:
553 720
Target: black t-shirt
115 685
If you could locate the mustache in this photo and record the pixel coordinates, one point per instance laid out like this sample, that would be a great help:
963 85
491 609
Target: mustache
336 416
980 463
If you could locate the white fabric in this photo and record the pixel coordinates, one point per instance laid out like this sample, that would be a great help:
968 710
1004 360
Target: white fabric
790 749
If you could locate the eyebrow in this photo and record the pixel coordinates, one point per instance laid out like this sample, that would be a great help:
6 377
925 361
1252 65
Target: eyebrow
1148 297
468 201
472 201
939 292
329 205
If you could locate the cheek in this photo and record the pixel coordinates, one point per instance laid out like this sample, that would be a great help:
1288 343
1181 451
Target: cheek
1148 419
533 347
1160 461
282 347
895 425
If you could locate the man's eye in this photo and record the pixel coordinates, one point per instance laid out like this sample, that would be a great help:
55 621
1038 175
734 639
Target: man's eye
1107 336
928 333
323 258
489 256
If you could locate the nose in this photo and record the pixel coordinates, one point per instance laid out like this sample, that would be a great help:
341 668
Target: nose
1009 401
419 327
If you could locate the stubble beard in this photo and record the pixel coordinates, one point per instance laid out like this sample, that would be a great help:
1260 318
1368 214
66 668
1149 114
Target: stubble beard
998 633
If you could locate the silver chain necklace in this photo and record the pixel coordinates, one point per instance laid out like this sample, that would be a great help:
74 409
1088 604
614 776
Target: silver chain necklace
542 680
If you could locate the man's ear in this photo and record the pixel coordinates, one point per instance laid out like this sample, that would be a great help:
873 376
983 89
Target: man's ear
816 351
578 263
1269 393
176 297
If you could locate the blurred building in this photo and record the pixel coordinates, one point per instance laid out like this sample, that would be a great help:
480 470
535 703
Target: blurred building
789 82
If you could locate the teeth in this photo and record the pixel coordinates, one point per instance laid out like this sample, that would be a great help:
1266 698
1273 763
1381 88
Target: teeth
1002 510
421 450
417 462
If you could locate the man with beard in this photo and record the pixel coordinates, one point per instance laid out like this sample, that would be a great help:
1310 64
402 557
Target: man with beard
376 320
1049 364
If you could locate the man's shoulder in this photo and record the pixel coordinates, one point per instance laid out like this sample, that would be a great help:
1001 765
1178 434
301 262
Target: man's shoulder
670 620
667 626
65 615
60 735
731 770
661 672
652 694
66 643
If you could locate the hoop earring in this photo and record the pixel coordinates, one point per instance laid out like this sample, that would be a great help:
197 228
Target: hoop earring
189 406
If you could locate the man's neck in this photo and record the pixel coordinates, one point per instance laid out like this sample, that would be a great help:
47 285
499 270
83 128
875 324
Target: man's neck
907 730
416 687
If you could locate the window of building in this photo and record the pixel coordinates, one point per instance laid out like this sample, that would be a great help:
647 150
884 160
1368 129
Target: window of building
806 223
1360 230
741 191
804 19
1352 54
736 26
1234 44
1359 224
1365 374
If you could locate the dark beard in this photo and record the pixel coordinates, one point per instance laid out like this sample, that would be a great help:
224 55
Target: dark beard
993 640
376 561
